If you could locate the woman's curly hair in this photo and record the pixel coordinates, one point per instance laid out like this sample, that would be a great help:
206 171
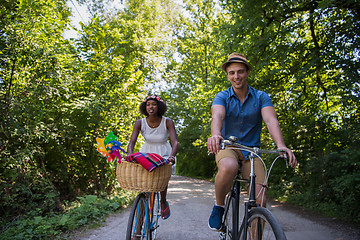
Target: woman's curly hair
162 107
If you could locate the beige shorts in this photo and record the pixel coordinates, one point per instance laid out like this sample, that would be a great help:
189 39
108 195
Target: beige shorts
245 168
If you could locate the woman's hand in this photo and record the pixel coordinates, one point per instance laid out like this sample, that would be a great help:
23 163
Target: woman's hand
171 159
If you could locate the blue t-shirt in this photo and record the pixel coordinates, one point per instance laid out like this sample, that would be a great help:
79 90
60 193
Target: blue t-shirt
243 120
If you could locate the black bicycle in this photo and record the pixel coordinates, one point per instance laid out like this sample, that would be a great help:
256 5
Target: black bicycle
258 222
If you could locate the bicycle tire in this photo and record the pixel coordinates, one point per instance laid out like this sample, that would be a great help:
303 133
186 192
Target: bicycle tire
271 228
155 214
138 219
231 217
228 230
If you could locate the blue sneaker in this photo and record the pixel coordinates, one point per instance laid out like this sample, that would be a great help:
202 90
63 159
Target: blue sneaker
216 218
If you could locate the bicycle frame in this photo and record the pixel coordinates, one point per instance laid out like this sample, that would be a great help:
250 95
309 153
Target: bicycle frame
235 190
153 223
235 193
252 200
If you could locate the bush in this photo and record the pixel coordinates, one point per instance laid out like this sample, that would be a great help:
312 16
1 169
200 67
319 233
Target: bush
328 185
24 190
87 210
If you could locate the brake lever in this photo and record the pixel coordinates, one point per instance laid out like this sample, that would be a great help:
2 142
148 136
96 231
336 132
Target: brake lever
222 145
286 162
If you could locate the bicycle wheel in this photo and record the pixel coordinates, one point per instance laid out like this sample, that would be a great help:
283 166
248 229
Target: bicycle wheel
263 225
228 230
155 214
138 219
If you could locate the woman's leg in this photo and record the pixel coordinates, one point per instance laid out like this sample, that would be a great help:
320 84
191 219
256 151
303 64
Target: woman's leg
165 208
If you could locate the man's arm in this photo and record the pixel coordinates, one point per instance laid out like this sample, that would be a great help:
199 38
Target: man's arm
218 116
272 124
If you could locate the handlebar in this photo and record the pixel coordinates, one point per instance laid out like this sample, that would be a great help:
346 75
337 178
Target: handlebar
232 141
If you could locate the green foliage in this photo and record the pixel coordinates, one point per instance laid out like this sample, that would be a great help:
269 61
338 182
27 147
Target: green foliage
57 95
90 209
198 80
330 185
26 189
304 54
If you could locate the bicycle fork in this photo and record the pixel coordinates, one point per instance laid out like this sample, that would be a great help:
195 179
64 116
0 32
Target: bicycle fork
153 201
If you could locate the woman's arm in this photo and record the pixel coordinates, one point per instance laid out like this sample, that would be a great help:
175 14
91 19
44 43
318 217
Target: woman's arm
173 138
134 136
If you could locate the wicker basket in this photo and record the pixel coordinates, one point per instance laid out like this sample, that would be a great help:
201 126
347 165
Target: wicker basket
133 177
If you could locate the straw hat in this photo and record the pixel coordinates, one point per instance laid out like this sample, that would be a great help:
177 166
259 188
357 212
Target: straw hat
236 57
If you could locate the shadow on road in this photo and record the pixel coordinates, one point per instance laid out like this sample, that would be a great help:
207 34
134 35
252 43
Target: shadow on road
191 202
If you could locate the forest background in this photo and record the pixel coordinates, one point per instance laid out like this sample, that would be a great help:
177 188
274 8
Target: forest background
57 95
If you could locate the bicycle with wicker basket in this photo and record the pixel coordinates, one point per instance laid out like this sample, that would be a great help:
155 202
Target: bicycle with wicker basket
148 173
145 212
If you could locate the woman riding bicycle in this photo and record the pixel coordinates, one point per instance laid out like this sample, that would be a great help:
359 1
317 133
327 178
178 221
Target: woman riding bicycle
156 129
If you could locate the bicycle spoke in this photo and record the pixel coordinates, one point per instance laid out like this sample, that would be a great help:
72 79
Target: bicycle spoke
155 214
229 221
262 225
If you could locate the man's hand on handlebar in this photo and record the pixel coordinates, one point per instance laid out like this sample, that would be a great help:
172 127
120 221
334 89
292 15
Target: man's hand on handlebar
213 143
214 147
290 155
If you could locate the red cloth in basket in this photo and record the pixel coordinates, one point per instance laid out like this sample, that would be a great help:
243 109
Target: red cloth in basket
149 161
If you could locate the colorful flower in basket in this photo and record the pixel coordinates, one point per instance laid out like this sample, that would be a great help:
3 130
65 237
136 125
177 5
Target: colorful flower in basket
109 147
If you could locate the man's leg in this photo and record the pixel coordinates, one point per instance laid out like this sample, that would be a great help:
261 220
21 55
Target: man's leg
260 194
227 169
260 189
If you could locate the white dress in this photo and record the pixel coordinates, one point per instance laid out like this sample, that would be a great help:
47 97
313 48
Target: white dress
156 139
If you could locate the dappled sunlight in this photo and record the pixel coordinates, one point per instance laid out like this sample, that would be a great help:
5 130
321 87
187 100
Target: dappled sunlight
178 190
184 190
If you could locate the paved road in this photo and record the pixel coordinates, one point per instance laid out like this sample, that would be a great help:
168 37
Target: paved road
191 202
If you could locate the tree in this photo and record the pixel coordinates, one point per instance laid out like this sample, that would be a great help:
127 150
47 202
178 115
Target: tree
31 46
58 95
305 55
197 81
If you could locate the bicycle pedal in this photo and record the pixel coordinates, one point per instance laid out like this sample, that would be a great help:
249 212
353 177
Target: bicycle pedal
154 228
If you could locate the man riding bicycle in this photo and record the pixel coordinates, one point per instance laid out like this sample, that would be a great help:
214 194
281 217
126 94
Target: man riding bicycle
239 111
